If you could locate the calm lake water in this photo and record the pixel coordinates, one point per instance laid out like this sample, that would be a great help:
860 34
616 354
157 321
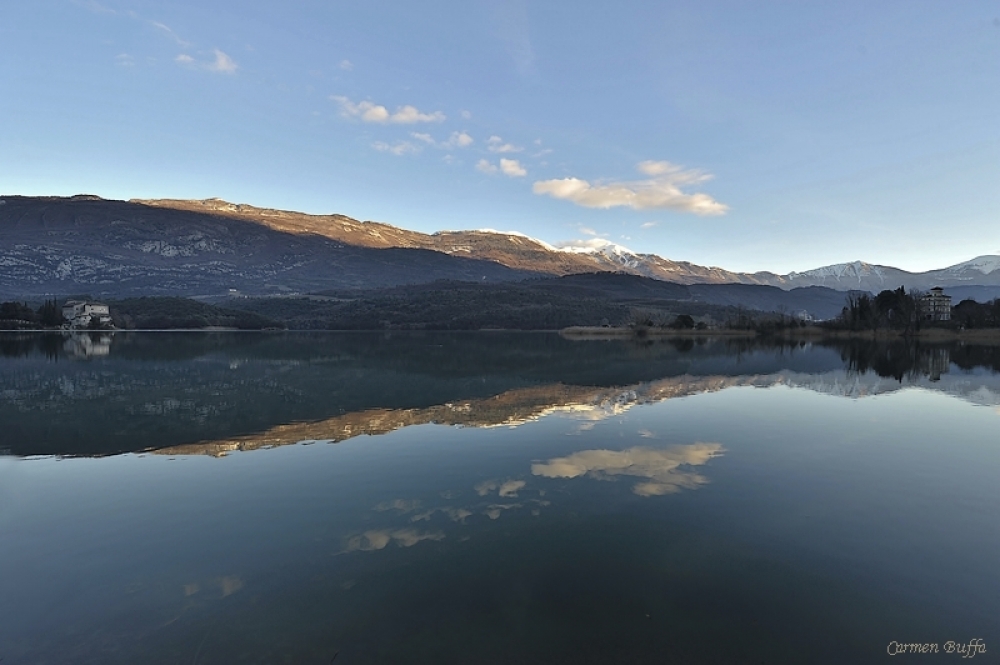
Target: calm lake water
495 498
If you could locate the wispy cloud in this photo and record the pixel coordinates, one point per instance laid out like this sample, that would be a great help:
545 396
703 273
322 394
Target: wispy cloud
370 112
346 65
512 168
496 144
95 7
512 28
661 191
220 63
648 225
485 166
649 167
456 140
165 29
399 148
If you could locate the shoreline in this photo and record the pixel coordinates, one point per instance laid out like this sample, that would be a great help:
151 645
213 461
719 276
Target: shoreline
598 332
990 336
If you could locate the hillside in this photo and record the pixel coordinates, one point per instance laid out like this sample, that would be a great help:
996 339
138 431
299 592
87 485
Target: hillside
118 249
536 304
85 244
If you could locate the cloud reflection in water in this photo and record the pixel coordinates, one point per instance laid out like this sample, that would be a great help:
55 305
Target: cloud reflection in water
660 469
378 539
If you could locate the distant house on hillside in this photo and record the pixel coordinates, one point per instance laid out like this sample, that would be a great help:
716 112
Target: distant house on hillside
80 313
936 306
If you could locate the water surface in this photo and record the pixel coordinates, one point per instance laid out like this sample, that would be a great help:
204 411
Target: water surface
494 498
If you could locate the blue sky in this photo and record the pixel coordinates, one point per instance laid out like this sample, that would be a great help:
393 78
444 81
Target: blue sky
749 135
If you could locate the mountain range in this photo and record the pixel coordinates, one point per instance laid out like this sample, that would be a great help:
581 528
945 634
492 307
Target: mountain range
85 244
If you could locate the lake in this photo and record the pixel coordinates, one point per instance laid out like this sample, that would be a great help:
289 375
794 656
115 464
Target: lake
495 498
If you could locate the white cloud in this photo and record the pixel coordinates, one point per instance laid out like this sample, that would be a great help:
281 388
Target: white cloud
371 112
346 65
659 468
648 225
484 166
399 148
496 144
512 168
184 59
426 138
587 231
124 60
662 191
460 140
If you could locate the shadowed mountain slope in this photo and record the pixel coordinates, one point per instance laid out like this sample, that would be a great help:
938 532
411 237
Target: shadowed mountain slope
113 248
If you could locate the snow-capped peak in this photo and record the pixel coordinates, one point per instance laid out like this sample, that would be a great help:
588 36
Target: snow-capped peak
599 247
984 264
594 246
841 270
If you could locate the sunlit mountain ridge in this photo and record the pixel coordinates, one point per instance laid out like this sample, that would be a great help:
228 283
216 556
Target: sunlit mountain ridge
53 245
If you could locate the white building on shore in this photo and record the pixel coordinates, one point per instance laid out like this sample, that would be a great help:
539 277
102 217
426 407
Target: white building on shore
80 313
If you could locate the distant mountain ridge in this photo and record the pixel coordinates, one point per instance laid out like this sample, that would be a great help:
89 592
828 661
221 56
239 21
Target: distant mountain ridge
56 245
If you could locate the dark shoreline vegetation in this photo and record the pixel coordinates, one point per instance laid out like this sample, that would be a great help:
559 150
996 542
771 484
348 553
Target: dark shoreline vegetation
594 303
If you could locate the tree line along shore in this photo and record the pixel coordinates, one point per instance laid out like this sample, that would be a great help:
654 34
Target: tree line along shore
889 314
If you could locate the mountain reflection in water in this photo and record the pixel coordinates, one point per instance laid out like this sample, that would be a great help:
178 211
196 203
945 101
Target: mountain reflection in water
211 393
